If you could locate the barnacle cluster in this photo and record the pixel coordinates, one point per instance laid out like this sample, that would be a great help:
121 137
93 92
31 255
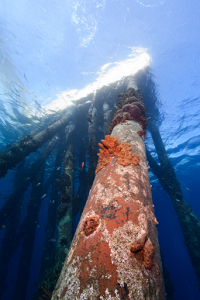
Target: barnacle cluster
110 148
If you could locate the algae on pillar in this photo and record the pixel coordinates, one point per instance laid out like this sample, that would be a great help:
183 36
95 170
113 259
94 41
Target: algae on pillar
64 232
92 147
107 116
48 272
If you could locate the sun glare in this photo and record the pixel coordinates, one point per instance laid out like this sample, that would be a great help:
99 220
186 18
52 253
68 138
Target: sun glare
109 73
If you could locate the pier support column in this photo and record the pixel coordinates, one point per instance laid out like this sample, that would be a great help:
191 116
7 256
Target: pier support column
115 251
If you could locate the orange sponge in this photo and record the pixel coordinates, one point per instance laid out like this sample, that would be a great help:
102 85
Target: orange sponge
110 147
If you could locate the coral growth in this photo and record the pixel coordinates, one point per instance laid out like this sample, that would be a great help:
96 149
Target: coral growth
90 224
141 132
138 243
130 108
104 158
127 158
147 252
131 100
121 149
110 148
155 221
47 295
62 209
144 247
110 143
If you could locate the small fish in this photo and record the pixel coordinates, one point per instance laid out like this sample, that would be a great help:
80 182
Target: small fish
57 179
43 196
28 178
4 226
52 240
52 201
38 183
57 137
58 168
82 165
178 200
188 189
38 226
59 228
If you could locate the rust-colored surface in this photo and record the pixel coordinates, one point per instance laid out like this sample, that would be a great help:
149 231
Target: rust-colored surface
115 251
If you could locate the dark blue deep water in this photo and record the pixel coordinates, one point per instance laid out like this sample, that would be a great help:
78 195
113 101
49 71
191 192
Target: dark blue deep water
59 56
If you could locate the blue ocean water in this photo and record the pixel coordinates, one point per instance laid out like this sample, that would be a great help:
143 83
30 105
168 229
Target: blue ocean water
54 53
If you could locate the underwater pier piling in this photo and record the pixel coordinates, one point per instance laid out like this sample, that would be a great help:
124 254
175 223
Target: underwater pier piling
115 251
10 211
107 112
18 151
29 236
188 221
14 198
65 215
92 146
48 255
